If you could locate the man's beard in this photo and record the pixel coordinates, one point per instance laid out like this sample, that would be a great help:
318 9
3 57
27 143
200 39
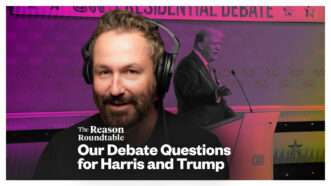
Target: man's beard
142 104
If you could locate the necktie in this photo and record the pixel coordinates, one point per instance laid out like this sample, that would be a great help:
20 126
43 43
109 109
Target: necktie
212 72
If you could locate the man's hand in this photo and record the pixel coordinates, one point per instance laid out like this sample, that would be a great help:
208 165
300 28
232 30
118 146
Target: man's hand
223 91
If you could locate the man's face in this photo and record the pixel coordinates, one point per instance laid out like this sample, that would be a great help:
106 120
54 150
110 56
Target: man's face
123 77
212 45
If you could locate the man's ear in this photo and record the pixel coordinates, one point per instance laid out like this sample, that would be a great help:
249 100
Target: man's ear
200 46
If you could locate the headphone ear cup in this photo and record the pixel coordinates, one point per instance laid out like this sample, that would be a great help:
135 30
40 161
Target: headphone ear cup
87 72
164 72
87 67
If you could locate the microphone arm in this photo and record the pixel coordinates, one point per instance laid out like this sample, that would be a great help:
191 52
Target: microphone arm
242 90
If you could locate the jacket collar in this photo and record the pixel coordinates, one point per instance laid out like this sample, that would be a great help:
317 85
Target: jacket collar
202 59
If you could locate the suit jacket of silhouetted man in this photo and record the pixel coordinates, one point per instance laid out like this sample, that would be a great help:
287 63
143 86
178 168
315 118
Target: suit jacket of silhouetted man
196 92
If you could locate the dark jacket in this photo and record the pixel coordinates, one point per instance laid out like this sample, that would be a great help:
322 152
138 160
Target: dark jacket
196 92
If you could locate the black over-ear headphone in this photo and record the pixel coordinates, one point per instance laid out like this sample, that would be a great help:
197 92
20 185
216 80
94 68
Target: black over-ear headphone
163 70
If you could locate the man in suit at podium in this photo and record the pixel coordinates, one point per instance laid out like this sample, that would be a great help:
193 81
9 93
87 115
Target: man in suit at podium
200 96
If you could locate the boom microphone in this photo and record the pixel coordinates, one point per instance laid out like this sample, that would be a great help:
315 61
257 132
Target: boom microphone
242 90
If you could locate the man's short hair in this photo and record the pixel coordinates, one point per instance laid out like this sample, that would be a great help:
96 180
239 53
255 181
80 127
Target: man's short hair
125 21
201 34
199 37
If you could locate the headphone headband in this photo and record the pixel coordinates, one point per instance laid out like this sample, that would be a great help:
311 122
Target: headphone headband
175 40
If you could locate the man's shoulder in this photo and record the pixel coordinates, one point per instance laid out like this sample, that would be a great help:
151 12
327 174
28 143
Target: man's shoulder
188 60
70 134
187 65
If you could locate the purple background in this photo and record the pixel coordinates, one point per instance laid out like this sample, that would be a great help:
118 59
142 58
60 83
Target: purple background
278 63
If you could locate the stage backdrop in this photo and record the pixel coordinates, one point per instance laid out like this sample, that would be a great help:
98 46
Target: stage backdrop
279 63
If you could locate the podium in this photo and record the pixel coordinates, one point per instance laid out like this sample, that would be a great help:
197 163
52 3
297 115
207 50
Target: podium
250 137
